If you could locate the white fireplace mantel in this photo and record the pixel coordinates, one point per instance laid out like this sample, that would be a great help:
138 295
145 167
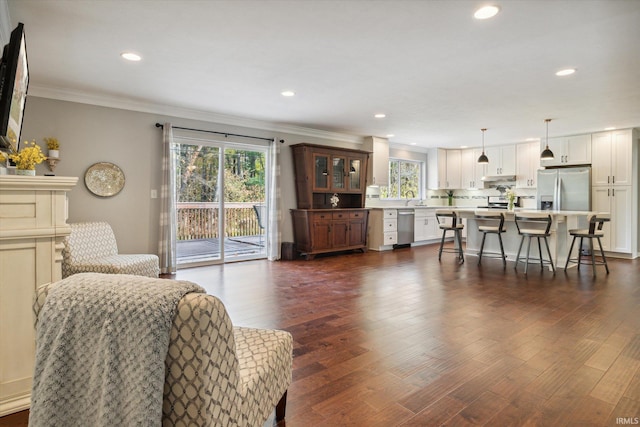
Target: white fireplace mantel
33 224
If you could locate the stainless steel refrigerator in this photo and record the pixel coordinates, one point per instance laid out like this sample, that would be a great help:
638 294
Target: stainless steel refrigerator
566 189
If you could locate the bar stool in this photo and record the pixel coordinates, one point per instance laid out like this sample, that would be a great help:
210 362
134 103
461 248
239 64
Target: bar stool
534 225
448 221
593 232
491 223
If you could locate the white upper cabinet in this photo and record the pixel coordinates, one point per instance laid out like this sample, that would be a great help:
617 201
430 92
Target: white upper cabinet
379 164
527 165
568 150
443 169
453 169
502 160
437 169
612 158
471 171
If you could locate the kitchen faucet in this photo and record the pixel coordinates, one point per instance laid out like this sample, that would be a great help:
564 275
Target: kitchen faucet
413 196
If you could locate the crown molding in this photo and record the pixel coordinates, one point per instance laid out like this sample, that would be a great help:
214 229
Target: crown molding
5 23
185 113
408 147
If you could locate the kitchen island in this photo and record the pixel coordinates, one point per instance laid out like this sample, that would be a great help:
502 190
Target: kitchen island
559 242
383 230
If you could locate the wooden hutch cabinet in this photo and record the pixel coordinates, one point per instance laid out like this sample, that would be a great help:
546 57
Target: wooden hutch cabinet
320 173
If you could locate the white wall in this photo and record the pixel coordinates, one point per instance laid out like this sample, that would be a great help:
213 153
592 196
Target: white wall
90 134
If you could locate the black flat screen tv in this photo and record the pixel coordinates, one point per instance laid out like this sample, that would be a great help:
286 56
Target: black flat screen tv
14 75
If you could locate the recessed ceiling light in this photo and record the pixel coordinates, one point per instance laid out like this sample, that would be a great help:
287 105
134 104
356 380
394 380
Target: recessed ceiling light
486 12
464 146
532 139
287 93
390 135
130 56
380 116
565 72
414 143
610 128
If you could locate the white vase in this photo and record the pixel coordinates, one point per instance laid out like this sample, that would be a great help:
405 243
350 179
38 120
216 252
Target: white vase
28 172
55 154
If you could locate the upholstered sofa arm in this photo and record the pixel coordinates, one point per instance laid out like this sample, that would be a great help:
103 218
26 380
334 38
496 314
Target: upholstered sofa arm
202 374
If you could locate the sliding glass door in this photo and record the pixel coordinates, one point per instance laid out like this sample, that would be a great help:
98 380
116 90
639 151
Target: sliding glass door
221 202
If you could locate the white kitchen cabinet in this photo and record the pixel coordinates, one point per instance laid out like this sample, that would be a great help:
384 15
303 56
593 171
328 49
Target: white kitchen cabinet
453 169
471 171
382 231
379 161
425 225
444 169
437 169
502 160
527 165
568 150
612 158
617 200
615 178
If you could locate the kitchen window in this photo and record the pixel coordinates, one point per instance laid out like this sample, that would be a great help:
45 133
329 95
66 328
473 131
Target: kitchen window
404 180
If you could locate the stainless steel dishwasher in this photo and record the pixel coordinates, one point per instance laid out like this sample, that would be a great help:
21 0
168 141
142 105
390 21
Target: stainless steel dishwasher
405 227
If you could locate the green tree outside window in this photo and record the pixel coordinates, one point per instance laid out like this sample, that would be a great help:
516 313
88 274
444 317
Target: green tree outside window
404 180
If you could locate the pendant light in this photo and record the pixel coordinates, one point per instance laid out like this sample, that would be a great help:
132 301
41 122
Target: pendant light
483 159
547 154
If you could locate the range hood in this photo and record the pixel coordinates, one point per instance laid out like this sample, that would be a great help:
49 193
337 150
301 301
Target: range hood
497 179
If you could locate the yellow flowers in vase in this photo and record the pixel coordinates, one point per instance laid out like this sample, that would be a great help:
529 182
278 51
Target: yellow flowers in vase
54 146
28 157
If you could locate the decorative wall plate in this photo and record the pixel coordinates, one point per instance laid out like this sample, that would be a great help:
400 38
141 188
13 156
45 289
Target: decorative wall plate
104 179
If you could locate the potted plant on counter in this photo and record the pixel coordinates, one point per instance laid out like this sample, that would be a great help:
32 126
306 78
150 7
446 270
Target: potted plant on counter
27 158
450 197
510 194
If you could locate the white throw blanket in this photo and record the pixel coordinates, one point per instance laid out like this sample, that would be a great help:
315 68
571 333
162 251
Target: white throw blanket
101 345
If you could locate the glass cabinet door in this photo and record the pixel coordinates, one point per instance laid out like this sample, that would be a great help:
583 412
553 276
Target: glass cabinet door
354 174
320 172
338 182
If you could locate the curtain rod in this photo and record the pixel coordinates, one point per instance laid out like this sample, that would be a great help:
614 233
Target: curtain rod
226 134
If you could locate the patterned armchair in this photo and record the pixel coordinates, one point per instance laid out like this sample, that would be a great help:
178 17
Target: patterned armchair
218 375
92 247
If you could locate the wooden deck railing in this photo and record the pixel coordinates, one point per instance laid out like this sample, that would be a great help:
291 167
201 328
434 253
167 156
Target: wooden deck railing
200 220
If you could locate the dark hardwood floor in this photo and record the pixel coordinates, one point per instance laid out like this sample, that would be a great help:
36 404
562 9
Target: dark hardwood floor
399 339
